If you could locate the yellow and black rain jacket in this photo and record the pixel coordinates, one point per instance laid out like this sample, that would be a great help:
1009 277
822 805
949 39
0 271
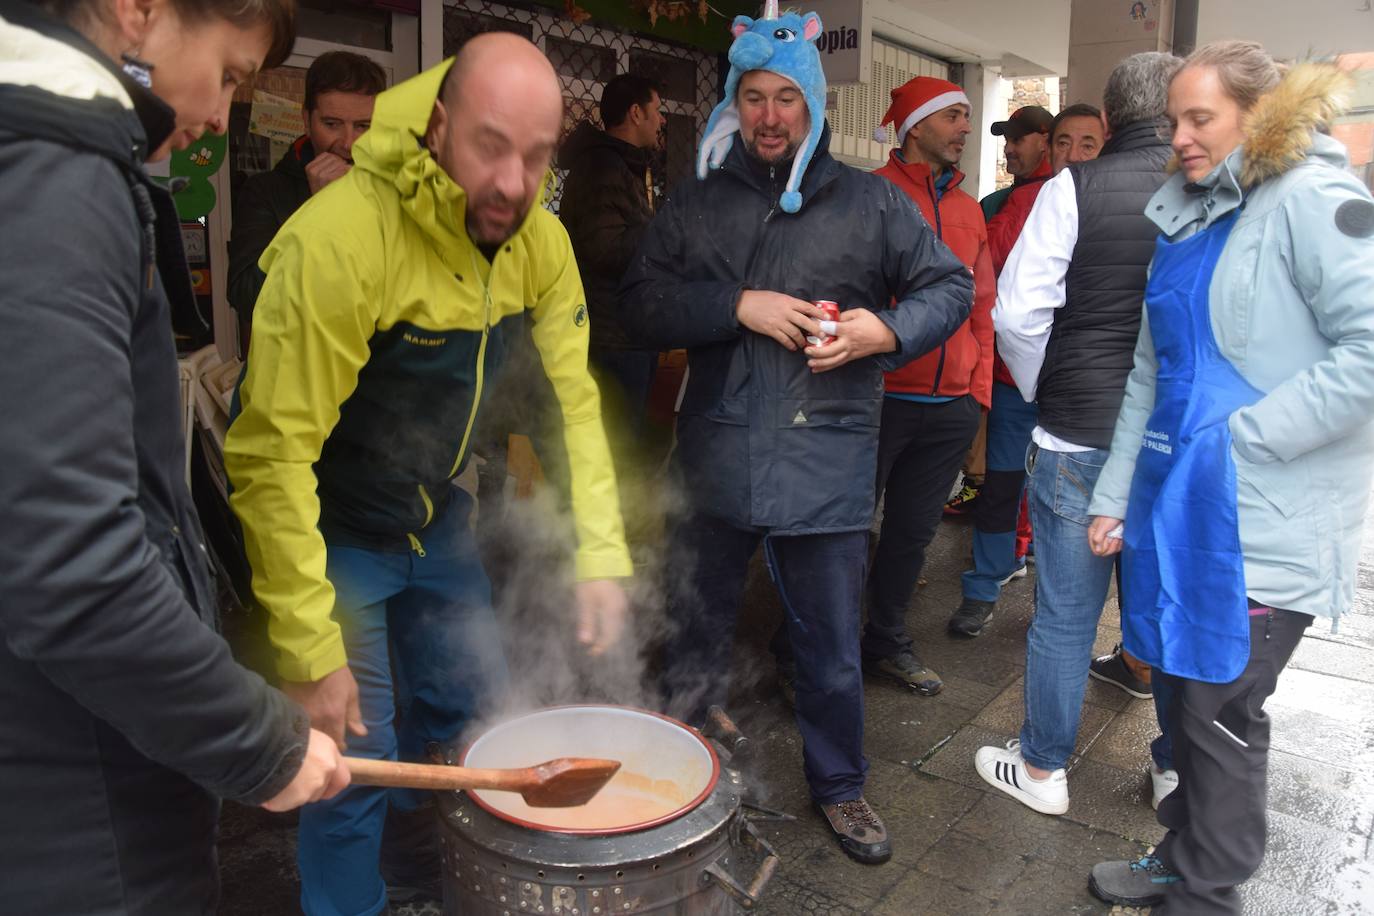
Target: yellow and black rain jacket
377 328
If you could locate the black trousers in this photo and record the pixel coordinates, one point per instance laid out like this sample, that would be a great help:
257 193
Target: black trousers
1216 816
819 578
920 449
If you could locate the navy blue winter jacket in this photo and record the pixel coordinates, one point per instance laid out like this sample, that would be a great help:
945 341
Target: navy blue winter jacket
762 441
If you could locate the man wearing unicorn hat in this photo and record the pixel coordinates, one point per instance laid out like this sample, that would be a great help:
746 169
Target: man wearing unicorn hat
778 439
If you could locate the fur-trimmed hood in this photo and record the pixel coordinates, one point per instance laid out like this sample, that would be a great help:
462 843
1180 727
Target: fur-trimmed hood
1284 130
1281 129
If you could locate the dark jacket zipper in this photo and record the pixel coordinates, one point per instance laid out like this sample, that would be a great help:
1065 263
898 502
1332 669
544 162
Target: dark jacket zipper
939 234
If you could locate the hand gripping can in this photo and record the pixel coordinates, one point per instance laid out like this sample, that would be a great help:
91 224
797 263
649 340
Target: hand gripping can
832 314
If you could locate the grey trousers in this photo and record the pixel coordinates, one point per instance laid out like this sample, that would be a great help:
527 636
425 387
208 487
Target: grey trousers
1216 816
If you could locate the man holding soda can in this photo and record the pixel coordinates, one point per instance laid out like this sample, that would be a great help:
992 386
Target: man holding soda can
778 439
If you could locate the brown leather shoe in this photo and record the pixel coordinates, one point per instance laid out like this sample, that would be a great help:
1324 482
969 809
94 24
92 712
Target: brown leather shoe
860 831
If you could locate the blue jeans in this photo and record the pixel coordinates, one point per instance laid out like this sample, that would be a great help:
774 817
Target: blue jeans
424 646
1010 423
820 580
1070 589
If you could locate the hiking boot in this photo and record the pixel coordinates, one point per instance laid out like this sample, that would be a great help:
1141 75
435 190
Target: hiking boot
860 831
1138 883
971 617
906 669
1112 669
962 502
1162 782
1005 769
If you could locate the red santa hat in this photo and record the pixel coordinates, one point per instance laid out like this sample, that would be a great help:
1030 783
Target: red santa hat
916 99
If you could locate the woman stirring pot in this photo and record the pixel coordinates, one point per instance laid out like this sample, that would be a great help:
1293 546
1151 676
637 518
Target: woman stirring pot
1241 462
123 718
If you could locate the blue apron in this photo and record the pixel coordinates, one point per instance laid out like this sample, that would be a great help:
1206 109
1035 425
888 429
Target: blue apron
1184 610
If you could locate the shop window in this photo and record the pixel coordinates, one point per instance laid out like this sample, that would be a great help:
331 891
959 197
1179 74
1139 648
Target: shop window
676 77
274 94
344 24
460 25
579 60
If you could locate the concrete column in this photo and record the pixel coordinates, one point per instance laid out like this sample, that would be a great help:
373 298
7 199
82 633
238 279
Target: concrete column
979 162
1101 35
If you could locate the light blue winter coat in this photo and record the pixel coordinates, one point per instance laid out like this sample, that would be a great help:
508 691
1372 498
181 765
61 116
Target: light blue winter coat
1292 307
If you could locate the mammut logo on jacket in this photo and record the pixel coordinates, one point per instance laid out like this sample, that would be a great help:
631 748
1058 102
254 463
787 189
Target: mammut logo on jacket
580 316
419 341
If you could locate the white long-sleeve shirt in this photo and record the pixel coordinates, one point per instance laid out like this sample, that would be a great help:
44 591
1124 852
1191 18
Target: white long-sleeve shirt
1031 288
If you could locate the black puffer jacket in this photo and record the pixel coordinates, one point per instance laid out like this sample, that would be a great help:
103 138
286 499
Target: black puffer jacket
1092 344
605 209
261 207
122 714
762 441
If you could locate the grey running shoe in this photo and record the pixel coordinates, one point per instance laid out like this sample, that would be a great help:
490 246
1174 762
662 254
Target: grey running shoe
1138 883
905 668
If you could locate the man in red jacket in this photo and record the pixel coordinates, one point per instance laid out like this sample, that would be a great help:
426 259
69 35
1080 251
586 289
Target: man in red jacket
933 404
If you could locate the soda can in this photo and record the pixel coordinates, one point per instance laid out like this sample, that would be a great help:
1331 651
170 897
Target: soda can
832 313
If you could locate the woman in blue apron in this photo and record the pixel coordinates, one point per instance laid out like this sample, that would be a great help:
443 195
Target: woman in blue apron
1239 474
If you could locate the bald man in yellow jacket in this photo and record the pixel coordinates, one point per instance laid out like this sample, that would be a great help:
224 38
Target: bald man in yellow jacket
389 301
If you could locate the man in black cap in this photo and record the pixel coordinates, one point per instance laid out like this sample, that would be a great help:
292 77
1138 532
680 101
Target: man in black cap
1027 133
996 503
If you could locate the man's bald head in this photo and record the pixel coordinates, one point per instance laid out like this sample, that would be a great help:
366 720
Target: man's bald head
494 129
510 54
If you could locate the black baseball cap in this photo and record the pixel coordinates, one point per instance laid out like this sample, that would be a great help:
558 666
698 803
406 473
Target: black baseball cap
1030 119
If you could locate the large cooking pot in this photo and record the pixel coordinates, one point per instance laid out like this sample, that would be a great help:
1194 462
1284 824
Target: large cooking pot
660 838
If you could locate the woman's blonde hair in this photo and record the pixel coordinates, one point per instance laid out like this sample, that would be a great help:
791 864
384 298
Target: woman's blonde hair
1245 69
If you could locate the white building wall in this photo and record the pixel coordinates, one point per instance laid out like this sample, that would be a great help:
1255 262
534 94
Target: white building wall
1290 30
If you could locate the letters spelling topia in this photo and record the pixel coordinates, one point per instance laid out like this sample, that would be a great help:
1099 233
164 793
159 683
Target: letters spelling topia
838 40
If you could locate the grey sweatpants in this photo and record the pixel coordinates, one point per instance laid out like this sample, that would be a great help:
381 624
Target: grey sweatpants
1216 815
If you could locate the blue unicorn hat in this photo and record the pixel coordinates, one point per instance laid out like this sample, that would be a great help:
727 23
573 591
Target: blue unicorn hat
784 45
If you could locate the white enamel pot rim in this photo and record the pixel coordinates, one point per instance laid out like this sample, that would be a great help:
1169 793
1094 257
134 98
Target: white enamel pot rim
644 742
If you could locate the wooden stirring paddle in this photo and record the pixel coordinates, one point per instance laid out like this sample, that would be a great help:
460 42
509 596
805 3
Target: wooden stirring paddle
564 782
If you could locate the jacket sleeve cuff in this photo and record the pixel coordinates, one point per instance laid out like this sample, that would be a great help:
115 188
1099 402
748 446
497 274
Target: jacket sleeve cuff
329 656
603 565
287 763
1109 506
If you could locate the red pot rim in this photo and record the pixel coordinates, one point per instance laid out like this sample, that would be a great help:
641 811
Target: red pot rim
605 831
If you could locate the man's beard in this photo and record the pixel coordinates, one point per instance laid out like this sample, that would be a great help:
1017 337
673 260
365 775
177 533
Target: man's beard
788 152
487 231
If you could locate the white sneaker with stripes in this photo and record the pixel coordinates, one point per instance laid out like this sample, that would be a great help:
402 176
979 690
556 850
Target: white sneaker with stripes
1005 770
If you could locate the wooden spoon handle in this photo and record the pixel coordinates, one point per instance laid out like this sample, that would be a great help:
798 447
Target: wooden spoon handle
392 773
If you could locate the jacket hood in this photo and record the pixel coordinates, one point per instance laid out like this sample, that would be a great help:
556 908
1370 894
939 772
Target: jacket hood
1283 130
393 149
589 140
57 86
1280 128
1286 124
